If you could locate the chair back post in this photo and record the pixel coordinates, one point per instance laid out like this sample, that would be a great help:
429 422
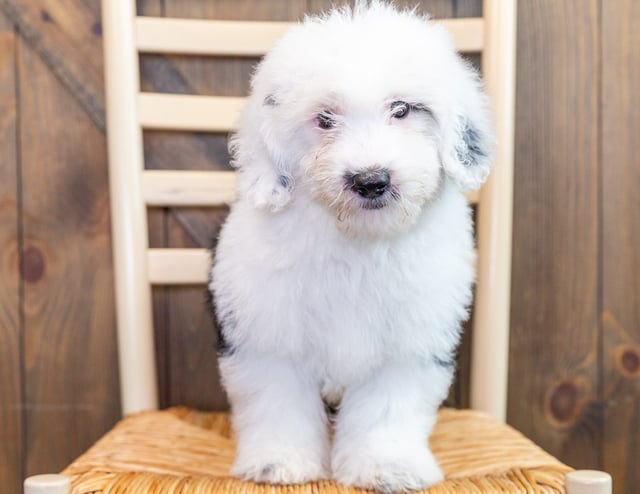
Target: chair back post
490 340
137 367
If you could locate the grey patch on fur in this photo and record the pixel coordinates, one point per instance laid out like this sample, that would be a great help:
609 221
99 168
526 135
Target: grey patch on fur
224 322
473 146
270 100
419 107
448 362
267 470
285 181
331 407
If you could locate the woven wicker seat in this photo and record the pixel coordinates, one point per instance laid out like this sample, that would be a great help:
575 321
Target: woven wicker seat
184 451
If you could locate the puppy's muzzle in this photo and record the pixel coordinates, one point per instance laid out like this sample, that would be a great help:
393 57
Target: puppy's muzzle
370 184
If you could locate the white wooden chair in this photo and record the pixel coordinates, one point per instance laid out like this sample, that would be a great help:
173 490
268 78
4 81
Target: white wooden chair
133 189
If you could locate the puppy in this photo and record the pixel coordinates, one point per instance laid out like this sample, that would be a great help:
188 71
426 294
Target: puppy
345 268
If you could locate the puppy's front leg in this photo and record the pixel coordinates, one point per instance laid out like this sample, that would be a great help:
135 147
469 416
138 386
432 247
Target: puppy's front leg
279 419
383 425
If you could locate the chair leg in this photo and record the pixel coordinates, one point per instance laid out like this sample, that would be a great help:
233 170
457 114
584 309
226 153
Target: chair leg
588 482
47 484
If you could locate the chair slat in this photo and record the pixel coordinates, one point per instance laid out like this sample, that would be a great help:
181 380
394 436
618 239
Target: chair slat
178 266
207 37
468 33
188 112
253 39
188 188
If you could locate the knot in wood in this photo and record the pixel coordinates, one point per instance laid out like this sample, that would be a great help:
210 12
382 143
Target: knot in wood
564 402
33 264
46 16
630 362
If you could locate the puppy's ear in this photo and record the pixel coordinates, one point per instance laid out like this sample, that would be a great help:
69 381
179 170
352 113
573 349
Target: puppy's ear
264 175
466 135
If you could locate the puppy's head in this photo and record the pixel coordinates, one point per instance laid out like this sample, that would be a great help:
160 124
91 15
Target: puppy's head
366 110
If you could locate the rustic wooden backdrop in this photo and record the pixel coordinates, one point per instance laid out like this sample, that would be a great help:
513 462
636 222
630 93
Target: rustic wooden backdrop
575 347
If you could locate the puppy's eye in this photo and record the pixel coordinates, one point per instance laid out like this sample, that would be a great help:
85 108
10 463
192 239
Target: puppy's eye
326 120
400 109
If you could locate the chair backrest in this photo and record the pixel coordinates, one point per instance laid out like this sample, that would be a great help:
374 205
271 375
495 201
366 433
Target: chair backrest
133 188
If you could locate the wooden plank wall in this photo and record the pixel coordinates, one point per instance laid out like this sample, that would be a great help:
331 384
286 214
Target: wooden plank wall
554 381
575 348
620 176
11 425
66 376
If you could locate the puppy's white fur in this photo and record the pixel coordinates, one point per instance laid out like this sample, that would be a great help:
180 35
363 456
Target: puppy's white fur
323 295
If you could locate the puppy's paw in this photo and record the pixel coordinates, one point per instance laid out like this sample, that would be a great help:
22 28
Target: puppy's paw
388 471
279 469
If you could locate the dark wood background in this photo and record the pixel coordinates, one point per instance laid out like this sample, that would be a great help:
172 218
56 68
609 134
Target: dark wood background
575 345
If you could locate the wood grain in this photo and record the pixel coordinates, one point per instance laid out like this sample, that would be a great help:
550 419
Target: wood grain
11 426
66 34
553 373
468 8
621 242
157 225
71 386
150 7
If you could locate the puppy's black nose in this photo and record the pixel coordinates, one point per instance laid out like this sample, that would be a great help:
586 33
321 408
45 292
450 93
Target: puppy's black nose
370 184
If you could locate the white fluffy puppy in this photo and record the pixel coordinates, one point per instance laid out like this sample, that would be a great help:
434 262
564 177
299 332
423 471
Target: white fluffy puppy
345 268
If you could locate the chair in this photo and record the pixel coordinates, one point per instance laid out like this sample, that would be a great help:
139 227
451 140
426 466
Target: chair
186 451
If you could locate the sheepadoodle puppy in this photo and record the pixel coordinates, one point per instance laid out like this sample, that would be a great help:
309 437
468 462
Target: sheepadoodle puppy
345 268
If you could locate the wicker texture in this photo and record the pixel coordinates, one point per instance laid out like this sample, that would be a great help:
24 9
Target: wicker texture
188 452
